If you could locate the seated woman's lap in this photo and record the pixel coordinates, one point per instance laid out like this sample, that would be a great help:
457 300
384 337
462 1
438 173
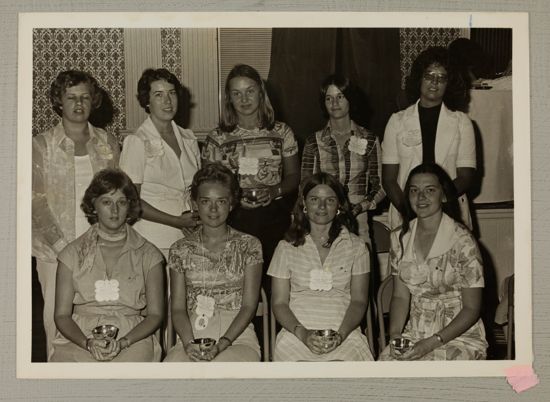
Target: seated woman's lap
142 351
234 353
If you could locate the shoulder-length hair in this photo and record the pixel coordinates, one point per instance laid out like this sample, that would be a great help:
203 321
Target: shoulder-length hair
350 91
106 181
449 206
457 93
160 74
70 78
216 173
300 225
229 118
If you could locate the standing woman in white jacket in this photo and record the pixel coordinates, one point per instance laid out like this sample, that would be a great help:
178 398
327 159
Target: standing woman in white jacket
432 130
161 159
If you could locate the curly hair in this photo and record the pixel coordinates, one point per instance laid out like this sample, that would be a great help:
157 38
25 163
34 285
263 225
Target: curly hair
300 225
216 173
160 74
106 181
71 78
449 206
229 118
457 93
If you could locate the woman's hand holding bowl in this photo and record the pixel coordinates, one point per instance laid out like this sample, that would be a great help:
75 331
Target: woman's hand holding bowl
98 348
253 198
419 349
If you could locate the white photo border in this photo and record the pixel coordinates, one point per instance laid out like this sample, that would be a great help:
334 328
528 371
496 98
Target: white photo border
518 22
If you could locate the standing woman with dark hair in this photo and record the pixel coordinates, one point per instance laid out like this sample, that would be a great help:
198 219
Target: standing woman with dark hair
64 160
321 278
433 130
346 150
262 152
109 276
161 159
438 275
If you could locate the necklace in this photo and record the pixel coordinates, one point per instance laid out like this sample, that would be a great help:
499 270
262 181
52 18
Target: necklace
320 239
121 234
205 302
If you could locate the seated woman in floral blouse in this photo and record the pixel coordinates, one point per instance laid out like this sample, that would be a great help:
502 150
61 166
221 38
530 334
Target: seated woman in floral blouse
438 275
215 277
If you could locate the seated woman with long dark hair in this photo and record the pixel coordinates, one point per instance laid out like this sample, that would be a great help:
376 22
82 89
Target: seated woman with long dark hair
109 276
321 278
438 275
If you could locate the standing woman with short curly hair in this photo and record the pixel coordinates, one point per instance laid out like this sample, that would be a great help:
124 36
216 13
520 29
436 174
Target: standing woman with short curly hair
433 129
64 160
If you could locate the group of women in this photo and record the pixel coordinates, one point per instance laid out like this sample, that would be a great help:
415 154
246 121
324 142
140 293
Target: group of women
224 228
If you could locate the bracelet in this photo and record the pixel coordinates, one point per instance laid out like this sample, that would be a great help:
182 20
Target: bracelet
439 338
229 341
278 193
296 327
88 344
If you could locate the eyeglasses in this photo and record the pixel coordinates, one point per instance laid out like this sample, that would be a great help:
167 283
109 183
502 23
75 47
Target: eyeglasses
435 78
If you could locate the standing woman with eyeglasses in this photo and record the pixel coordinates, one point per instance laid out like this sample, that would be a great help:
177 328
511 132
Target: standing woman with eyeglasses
433 130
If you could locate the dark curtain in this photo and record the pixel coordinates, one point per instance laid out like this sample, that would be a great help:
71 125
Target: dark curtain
301 58
497 44
370 58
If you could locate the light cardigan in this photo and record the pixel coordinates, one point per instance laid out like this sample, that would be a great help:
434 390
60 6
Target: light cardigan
53 185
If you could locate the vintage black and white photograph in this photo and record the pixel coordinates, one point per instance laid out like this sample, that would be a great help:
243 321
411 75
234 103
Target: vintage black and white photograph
195 193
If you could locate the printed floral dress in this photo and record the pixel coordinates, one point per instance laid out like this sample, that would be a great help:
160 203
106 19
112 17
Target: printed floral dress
453 263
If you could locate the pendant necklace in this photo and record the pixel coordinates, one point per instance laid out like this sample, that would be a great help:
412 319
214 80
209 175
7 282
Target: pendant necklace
205 302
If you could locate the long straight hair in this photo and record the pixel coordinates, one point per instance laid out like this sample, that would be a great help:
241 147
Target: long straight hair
229 118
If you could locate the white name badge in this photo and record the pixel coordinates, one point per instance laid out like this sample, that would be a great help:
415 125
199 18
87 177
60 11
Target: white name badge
357 145
320 279
107 290
204 310
248 166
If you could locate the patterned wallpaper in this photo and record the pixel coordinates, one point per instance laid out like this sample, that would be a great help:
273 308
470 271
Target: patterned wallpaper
414 40
99 51
170 39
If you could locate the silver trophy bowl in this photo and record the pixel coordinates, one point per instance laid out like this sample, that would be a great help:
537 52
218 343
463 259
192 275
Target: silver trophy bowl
105 332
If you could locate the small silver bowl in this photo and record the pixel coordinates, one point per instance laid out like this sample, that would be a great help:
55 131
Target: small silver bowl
327 335
205 344
106 332
401 344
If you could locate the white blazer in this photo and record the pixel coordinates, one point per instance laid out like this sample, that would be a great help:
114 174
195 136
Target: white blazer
454 147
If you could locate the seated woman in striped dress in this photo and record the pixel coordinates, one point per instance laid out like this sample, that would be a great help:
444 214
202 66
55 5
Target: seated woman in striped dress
320 278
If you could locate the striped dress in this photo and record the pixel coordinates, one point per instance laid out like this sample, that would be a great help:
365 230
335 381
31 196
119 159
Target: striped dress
320 309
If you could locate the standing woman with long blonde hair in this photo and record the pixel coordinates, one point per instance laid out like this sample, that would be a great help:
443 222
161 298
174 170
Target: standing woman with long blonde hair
261 151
